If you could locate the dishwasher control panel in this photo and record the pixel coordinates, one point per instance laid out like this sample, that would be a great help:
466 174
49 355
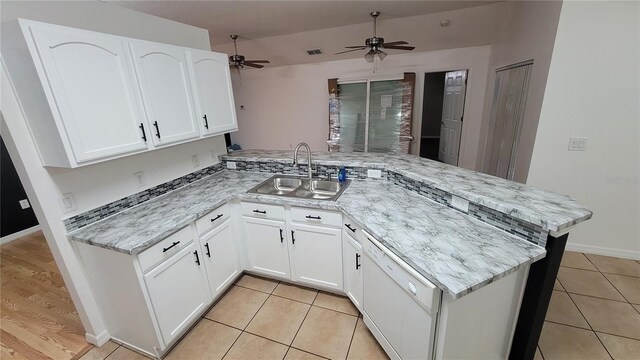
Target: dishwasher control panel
422 290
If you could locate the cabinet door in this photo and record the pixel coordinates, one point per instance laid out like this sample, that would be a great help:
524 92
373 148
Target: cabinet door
90 85
178 291
316 256
220 257
163 77
266 247
352 260
213 92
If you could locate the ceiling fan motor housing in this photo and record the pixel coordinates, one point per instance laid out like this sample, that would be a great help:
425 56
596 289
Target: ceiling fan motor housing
374 42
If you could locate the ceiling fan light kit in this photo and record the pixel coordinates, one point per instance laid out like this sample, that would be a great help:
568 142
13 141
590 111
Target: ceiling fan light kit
239 62
376 44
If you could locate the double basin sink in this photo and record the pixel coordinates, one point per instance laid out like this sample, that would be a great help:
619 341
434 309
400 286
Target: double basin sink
299 187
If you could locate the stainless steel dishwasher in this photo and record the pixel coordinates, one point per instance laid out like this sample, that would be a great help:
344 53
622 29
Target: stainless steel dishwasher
400 306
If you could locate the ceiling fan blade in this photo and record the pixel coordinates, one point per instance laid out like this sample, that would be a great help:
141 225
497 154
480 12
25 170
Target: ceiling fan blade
259 61
356 47
246 63
400 47
342 52
393 43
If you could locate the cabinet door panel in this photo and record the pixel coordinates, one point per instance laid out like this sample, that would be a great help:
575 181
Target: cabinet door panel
266 252
214 93
162 73
178 292
221 258
352 251
91 81
316 255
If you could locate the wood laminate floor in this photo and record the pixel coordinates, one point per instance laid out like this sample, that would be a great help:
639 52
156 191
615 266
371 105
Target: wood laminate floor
38 318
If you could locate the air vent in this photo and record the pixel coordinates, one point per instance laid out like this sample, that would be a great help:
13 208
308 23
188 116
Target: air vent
314 52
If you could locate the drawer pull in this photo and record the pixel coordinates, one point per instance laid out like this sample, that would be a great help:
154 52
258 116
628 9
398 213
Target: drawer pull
281 237
208 251
313 217
197 257
350 228
217 217
259 211
293 238
358 261
174 244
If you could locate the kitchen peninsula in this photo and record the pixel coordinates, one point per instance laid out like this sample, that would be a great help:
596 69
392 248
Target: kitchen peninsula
469 251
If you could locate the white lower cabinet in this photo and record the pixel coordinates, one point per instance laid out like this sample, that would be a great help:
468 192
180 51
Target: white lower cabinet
316 256
266 247
352 267
178 291
220 257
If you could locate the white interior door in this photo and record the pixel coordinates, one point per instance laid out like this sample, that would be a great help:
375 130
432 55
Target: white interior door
92 85
163 77
455 87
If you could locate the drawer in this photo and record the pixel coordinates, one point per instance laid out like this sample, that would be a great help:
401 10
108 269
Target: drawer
315 216
350 227
265 211
165 249
213 219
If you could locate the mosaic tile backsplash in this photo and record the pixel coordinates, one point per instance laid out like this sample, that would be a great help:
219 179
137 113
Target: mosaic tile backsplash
526 231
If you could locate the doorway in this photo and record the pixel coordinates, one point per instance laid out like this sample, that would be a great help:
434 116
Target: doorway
442 115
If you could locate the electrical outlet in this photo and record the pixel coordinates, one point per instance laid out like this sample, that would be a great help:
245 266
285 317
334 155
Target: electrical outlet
139 178
374 173
577 144
67 203
24 204
460 203
195 160
231 165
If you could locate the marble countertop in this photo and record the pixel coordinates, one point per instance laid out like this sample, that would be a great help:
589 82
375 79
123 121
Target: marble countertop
549 210
456 252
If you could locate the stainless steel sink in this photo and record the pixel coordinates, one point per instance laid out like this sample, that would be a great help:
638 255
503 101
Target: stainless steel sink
297 187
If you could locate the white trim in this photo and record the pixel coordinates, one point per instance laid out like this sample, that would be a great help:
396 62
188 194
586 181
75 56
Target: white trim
606 251
19 234
97 340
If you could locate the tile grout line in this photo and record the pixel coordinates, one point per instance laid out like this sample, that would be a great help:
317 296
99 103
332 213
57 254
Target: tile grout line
109 354
353 334
541 354
585 318
303 319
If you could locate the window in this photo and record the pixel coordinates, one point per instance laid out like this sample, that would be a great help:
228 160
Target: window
371 115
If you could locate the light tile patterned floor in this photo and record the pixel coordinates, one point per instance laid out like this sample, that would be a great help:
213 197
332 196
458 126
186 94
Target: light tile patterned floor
594 314
594 311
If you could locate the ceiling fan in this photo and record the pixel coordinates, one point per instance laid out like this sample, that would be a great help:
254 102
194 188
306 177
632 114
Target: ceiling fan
239 62
376 44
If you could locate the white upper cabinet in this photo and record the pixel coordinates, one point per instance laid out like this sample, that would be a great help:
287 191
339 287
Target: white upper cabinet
213 92
112 96
90 87
166 92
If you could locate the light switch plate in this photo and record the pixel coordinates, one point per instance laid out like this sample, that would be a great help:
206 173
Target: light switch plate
231 165
577 144
460 203
374 173
24 204
67 203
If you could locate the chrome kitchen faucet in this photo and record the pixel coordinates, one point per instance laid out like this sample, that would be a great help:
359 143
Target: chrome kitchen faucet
295 157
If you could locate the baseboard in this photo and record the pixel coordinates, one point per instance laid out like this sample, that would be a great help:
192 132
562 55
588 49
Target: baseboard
19 234
601 250
97 340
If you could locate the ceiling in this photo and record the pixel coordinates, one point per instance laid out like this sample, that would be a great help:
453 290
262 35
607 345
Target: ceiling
281 31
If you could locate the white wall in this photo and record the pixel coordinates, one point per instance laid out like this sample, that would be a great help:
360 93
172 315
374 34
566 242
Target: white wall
593 91
93 185
527 33
288 104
